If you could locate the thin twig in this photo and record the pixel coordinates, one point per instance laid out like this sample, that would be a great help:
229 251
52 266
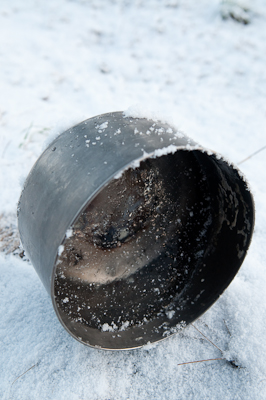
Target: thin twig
227 328
207 338
231 362
23 374
199 361
251 155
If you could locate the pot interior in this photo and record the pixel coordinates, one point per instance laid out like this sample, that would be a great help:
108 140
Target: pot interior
137 264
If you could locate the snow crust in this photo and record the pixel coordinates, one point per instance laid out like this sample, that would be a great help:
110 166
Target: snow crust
65 61
69 233
60 250
141 111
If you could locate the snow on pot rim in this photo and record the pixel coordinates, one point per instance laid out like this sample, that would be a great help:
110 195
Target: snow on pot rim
133 228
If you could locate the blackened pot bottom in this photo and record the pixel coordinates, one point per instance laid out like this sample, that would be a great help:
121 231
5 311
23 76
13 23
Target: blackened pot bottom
132 266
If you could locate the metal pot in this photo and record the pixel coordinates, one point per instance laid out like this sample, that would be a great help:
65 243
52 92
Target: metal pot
133 228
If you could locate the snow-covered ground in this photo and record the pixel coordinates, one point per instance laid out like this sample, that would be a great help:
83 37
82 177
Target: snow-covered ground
64 61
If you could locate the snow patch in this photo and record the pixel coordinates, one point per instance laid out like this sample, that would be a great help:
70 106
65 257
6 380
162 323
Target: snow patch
101 128
60 250
65 300
170 314
171 149
69 233
124 326
109 328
